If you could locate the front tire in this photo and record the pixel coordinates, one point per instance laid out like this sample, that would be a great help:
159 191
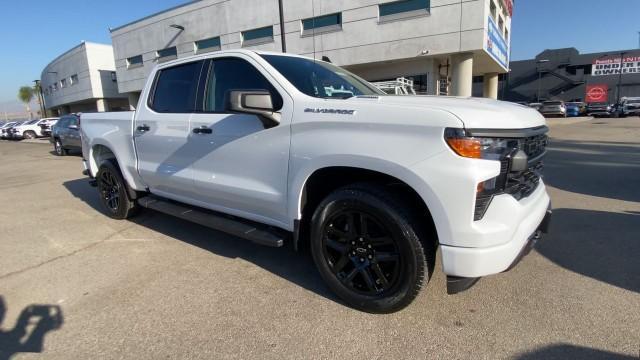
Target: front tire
113 192
367 248
29 135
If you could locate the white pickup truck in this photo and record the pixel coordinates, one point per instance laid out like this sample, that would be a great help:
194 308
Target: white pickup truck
278 148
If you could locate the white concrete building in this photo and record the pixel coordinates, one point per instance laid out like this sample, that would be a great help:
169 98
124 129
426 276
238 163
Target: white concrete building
440 44
83 79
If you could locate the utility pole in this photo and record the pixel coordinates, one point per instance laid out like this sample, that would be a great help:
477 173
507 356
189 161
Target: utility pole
282 36
538 62
43 113
619 87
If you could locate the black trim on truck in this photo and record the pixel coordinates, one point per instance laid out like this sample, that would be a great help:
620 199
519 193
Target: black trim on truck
507 133
456 284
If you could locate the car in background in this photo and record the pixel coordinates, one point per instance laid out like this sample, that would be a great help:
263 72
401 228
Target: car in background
8 132
573 109
535 105
628 107
553 108
27 130
45 126
599 109
65 135
4 129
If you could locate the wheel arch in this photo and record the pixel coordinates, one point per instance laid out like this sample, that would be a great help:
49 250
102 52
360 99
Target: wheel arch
320 182
100 152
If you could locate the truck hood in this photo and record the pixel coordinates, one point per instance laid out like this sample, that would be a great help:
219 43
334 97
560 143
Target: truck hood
475 113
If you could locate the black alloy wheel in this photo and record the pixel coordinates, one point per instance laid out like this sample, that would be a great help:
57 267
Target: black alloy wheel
367 244
113 191
361 252
109 190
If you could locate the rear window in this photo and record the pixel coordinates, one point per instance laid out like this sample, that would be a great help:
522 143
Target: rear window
175 89
552 103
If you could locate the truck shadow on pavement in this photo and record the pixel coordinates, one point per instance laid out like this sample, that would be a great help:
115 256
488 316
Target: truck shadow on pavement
296 267
27 336
567 351
595 168
598 244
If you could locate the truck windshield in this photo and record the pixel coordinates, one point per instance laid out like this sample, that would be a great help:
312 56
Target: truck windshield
320 79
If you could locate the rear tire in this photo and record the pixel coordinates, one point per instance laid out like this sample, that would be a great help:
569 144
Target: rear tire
58 149
112 190
29 135
366 246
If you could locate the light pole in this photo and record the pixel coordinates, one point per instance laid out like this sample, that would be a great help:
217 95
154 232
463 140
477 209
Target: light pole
282 37
618 86
538 62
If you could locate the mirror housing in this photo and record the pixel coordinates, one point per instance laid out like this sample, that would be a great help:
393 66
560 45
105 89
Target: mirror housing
257 102
73 127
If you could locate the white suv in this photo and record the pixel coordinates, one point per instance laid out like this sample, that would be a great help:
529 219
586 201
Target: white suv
28 130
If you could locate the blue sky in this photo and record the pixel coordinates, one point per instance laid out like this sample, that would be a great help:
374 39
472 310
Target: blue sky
34 32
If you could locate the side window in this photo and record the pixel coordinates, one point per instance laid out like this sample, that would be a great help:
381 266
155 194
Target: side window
234 74
72 121
63 123
175 89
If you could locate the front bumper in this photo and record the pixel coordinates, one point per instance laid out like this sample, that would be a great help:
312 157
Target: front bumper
456 284
508 224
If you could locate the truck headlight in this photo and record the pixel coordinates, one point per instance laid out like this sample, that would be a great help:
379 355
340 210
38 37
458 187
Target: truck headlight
488 148
479 147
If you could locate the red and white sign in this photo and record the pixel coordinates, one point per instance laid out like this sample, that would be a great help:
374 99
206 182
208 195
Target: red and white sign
612 65
597 93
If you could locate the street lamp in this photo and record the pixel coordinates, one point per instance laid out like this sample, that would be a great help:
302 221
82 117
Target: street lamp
538 62
618 87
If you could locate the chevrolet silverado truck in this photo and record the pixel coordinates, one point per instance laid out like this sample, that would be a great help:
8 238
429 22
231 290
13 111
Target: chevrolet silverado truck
277 148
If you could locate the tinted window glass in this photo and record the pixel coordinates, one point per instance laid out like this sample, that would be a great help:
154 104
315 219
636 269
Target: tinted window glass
62 123
322 21
262 33
320 79
235 74
176 87
403 6
208 44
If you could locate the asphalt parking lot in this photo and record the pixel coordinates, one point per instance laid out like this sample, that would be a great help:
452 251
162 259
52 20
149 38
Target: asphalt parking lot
76 284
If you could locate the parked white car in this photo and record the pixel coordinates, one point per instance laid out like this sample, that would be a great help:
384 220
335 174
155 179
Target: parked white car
4 129
46 125
27 130
275 148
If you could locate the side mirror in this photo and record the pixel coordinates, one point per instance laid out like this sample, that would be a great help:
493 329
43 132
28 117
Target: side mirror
256 102
73 127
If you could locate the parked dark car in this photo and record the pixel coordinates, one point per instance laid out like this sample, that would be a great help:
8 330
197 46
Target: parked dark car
65 135
628 107
599 109
573 109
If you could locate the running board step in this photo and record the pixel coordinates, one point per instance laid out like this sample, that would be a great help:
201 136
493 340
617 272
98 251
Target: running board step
245 229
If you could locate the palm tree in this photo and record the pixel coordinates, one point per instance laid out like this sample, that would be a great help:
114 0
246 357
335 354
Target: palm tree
25 94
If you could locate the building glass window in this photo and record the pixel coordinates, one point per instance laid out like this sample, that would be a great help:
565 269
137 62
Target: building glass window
167 54
114 77
404 8
134 62
506 35
206 45
74 79
176 88
63 83
55 86
493 9
501 23
323 23
257 36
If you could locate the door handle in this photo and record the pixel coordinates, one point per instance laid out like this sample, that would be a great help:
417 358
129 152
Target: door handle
202 130
143 128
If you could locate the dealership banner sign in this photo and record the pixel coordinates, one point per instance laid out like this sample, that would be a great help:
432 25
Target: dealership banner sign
597 93
613 66
496 46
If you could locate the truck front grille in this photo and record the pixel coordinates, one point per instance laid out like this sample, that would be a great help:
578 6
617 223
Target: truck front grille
517 184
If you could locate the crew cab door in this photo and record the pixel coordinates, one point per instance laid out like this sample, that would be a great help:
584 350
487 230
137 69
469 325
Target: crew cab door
241 162
161 130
